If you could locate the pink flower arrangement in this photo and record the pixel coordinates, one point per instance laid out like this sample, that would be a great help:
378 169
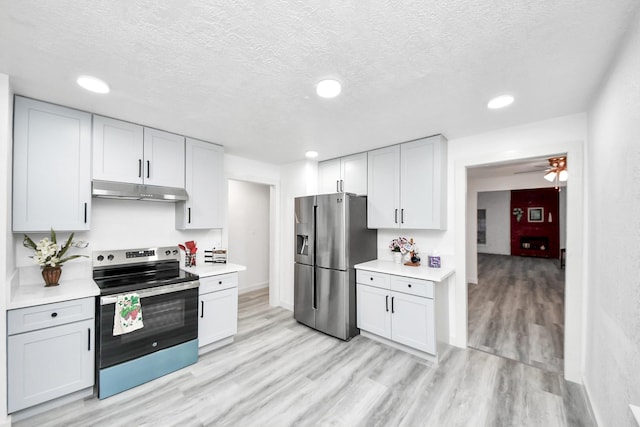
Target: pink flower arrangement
401 244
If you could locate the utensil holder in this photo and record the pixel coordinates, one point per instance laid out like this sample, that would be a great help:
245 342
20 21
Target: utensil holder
189 259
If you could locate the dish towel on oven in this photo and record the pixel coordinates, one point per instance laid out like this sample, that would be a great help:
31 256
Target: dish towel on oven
128 314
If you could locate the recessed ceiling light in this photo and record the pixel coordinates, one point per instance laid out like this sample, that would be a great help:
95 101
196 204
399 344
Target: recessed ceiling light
328 88
311 154
500 101
93 84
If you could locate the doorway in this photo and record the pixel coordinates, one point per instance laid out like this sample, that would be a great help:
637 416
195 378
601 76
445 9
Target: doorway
249 233
516 304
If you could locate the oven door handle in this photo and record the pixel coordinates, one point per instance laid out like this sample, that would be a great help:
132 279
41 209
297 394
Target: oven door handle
150 292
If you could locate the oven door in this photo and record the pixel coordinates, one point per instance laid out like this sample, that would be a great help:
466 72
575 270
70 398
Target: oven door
169 316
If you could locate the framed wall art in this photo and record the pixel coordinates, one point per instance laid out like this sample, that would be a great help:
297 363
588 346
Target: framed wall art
536 214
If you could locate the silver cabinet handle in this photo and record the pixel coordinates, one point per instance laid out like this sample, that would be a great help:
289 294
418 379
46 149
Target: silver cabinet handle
401 216
395 216
392 309
386 302
337 185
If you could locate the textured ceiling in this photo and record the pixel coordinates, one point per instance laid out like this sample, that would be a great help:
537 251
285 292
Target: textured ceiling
242 73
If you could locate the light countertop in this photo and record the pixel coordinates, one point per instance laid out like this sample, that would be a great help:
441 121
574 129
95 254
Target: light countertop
31 290
28 295
420 272
213 269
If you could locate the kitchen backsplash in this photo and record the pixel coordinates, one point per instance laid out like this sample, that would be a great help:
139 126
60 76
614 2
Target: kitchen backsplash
124 224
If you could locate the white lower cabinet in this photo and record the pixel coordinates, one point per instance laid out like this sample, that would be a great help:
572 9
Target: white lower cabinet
218 311
397 308
50 352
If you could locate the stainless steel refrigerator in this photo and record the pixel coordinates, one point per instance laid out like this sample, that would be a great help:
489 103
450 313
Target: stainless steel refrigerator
331 237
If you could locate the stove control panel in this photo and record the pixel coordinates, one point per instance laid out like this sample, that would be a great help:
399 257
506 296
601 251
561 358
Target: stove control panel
130 256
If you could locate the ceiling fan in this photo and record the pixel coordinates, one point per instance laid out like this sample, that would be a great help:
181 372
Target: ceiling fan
557 170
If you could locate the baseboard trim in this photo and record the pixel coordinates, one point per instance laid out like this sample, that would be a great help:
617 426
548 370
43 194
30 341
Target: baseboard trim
253 287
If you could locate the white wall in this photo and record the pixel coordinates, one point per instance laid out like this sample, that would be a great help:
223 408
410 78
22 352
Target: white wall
560 135
498 209
248 232
6 237
612 365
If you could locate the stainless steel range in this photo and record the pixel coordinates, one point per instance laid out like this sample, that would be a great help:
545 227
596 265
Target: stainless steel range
165 337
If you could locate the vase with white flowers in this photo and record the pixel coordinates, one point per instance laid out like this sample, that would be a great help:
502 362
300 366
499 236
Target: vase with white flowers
50 256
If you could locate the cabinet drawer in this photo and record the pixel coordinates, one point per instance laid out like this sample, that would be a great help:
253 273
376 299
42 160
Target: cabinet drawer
219 282
370 278
421 288
47 315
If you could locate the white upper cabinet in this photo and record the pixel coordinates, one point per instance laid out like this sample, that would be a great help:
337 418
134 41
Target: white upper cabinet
117 150
346 174
383 198
163 158
329 176
205 186
51 167
407 185
126 152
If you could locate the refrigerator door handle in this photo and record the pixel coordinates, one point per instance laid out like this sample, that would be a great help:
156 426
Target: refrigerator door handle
386 302
314 301
314 290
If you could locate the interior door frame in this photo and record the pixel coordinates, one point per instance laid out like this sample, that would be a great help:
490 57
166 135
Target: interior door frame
465 247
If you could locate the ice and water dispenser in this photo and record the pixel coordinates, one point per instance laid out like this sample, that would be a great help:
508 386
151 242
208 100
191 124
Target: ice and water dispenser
302 244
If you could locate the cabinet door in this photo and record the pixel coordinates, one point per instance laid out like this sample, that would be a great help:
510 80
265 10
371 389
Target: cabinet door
329 176
51 167
354 174
412 321
204 183
421 180
383 195
374 310
218 316
49 363
117 150
163 158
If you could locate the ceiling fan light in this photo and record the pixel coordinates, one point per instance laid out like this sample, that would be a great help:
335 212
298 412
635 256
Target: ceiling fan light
550 176
563 175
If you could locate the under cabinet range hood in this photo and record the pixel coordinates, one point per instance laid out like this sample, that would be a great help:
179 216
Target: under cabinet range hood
128 191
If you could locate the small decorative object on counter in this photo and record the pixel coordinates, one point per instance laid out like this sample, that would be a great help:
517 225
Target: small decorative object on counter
434 260
190 250
414 259
217 256
51 257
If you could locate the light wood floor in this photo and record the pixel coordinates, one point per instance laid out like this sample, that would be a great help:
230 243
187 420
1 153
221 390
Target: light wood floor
281 373
517 310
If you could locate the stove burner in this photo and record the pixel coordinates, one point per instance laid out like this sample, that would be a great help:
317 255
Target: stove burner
121 271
